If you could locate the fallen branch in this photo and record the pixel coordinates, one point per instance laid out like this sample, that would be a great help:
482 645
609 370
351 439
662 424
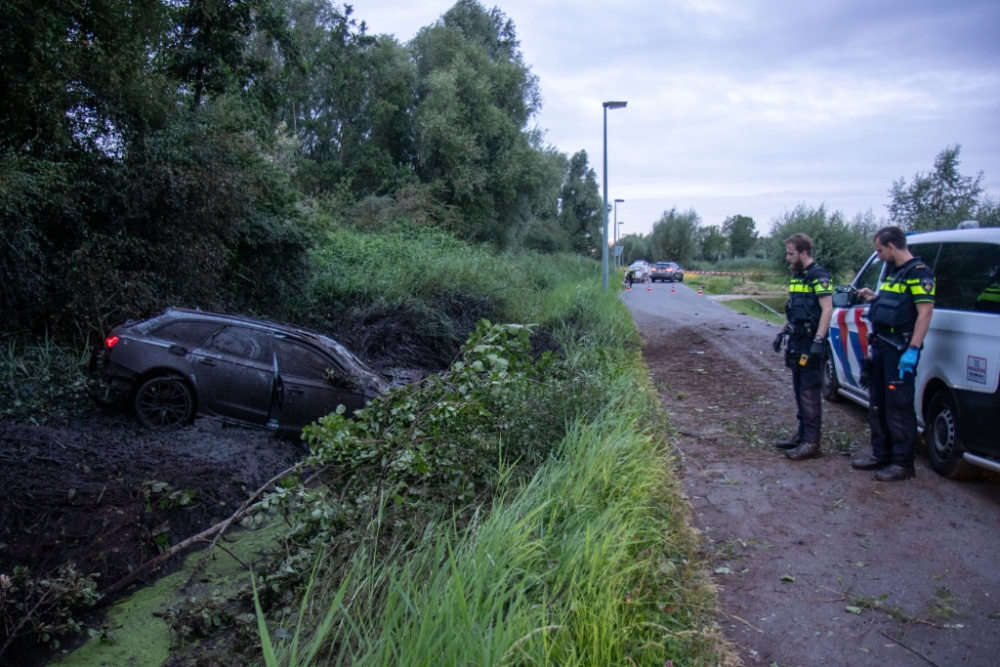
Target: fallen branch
200 567
929 661
200 537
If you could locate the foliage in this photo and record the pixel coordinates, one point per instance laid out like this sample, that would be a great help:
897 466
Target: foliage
713 243
675 236
45 606
741 234
838 245
941 198
580 215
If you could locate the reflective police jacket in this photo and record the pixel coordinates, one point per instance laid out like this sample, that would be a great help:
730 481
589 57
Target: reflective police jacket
807 286
894 311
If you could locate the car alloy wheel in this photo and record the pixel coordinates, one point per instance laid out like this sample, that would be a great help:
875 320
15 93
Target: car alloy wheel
164 401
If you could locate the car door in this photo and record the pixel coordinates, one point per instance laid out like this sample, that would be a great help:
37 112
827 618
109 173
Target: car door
308 390
234 374
849 330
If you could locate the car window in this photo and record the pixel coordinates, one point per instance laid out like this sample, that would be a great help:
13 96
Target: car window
870 276
966 275
925 251
240 342
191 334
301 361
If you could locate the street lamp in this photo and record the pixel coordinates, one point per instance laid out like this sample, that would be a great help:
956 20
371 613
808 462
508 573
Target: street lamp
615 231
604 246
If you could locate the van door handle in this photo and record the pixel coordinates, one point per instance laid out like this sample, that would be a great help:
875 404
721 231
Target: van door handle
206 361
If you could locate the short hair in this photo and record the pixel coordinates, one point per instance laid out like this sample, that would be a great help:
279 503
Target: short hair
893 235
802 243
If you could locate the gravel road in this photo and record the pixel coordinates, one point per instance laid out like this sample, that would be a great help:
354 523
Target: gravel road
817 564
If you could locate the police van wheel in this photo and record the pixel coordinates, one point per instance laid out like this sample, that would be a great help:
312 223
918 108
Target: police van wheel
828 380
944 446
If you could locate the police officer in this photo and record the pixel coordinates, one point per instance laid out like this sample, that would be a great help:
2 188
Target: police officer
900 316
808 313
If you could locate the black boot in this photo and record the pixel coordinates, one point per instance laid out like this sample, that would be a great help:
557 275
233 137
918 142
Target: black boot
895 473
790 443
805 450
870 463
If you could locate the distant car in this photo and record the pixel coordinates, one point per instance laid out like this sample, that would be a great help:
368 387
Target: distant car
183 363
640 269
668 271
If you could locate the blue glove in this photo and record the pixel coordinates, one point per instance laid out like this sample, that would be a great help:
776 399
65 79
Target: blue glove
908 362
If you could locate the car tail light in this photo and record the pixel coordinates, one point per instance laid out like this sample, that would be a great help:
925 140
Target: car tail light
111 341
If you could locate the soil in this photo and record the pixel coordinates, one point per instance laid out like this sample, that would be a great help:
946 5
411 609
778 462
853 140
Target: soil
74 493
816 564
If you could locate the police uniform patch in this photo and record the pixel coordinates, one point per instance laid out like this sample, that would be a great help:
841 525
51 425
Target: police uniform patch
927 284
824 283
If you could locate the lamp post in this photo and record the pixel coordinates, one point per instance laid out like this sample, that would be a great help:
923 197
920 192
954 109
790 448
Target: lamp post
615 232
604 246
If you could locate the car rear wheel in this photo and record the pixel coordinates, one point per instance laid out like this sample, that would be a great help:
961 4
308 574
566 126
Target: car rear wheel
944 445
164 401
828 379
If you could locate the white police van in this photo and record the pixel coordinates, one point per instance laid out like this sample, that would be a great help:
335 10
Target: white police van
956 398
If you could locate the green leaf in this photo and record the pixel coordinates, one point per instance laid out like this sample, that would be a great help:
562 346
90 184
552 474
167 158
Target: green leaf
788 577
853 609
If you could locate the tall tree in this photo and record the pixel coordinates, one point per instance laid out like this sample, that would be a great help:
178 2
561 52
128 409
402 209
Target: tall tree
939 199
674 236
581 205
741 233
713 243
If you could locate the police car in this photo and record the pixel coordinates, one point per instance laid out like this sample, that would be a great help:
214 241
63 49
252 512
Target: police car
956 398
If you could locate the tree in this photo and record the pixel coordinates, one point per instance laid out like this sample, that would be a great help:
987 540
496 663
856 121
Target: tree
674 236
713 243
635 246
938 200
741 234
581 216
839 246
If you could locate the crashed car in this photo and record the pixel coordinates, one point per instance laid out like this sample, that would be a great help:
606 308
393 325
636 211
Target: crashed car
247 371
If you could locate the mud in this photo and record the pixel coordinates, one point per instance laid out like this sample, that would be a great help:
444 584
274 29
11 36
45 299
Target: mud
74 493
817 564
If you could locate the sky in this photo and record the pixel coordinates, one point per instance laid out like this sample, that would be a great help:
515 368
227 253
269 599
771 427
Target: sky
743 107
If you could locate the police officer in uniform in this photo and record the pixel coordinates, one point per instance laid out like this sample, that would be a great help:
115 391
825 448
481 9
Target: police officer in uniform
900 316
808 313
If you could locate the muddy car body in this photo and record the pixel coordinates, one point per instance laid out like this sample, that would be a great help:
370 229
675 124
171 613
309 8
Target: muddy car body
183 363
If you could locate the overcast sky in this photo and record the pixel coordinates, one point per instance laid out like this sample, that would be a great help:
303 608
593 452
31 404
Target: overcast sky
743 107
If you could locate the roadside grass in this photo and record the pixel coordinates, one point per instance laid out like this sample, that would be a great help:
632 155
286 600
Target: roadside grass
588 563
754 308
587 560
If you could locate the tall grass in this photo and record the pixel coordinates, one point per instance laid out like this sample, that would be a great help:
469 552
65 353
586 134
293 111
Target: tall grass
589 563
40 377
355 268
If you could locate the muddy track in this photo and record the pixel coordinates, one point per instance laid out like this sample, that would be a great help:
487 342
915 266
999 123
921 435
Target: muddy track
817 564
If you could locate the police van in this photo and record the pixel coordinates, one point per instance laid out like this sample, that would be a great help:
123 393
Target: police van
956 396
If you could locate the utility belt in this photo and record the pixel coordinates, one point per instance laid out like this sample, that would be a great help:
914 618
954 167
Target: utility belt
798 330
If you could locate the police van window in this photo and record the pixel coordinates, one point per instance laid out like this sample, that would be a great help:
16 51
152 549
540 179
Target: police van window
871 275
966 275
925 251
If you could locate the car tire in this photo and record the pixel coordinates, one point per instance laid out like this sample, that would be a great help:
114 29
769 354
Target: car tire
828 379
164 401
944 443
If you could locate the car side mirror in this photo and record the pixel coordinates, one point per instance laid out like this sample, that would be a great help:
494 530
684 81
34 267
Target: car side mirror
341 380
841 299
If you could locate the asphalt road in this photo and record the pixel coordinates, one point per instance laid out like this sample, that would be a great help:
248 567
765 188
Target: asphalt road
817 564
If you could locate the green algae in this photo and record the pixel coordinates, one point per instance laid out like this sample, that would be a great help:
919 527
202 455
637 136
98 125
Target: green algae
142 639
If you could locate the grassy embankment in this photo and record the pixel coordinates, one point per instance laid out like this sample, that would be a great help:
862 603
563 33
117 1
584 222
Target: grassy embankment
762 289
584 560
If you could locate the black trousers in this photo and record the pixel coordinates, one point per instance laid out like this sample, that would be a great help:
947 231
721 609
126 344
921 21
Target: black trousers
807 385
891 415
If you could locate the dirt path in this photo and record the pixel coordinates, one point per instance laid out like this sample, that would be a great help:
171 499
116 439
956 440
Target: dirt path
817 564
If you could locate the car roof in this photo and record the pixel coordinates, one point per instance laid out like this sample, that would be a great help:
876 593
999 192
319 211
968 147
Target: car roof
317 339
984 235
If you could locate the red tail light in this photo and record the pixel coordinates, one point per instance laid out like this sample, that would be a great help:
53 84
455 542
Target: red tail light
111 341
